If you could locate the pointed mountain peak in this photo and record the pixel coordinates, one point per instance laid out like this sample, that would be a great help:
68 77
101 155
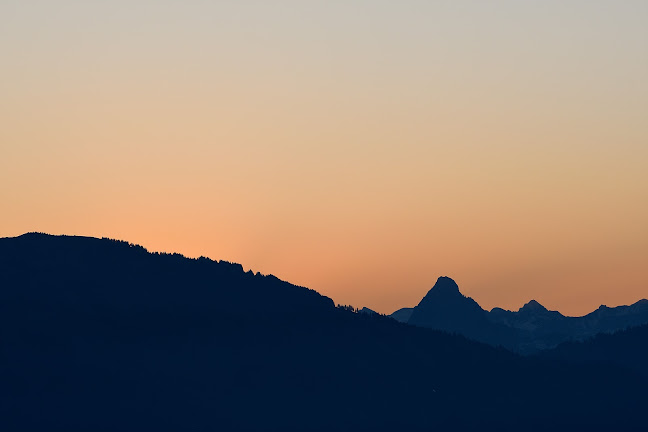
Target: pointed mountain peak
444 290
446 285
532 306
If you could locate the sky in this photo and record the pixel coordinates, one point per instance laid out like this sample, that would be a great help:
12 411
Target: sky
359 148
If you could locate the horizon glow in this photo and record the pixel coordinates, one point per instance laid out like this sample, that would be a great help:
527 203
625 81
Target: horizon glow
359 148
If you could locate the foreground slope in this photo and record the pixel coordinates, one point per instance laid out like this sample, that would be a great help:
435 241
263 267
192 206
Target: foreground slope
102 335
627 348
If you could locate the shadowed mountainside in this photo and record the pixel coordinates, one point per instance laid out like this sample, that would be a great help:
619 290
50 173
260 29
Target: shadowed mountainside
531 329
627 348
102 335
402 315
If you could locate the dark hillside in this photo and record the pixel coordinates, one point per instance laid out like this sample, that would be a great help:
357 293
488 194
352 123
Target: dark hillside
627 348
102 335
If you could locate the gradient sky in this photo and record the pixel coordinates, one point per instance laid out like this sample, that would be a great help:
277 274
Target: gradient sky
360 148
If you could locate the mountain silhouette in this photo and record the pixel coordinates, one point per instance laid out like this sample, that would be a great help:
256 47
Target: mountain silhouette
539 329
101 335
533 307
402 315
445 308
366 310
531 329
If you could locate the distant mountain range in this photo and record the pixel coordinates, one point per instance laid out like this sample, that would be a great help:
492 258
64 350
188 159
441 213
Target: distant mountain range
101 335
531 329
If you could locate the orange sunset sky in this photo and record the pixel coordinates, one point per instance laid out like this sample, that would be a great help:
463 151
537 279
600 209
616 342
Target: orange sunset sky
360 148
